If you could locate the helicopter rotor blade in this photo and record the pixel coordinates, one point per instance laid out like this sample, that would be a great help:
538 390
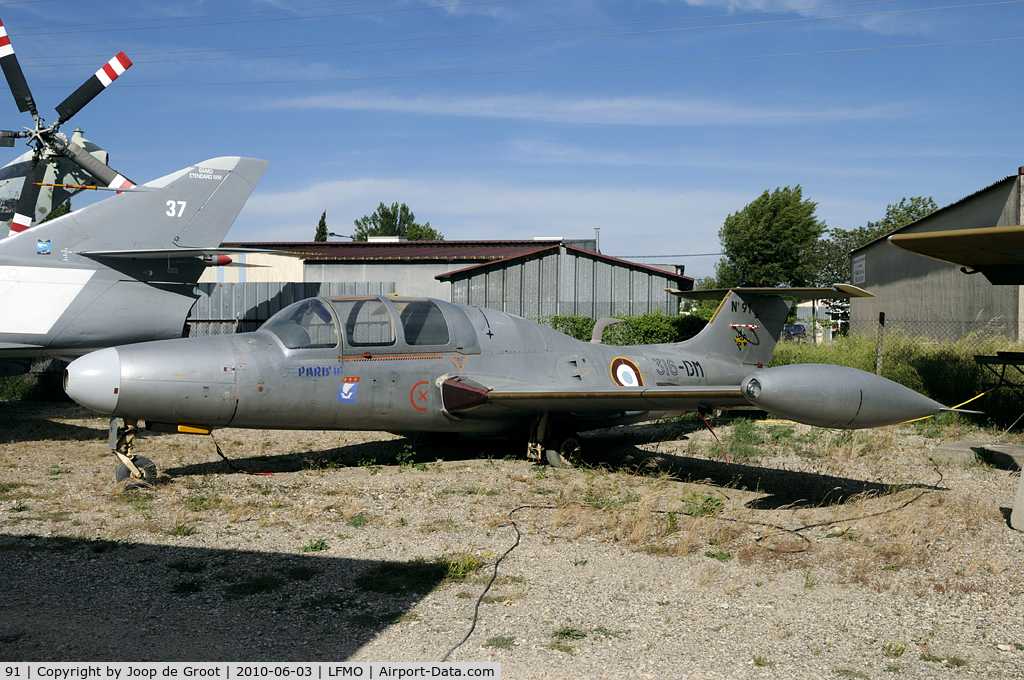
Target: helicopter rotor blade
98 82
104 173
26 209
15 77
7 137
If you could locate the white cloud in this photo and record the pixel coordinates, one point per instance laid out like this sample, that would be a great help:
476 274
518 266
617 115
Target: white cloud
880 19
625 110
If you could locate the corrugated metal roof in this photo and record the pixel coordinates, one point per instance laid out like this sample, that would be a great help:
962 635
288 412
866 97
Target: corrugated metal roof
597 256
945 207
358 251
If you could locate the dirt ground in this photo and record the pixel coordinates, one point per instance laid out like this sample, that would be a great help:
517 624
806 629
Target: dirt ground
811 553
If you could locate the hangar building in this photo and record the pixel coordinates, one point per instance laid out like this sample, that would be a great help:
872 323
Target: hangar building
528 278
925 297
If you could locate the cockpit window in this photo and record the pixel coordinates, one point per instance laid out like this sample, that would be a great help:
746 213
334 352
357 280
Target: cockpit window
305 325
423 322
367 323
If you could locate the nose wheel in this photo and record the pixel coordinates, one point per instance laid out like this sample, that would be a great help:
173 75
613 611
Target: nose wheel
122 444
145 470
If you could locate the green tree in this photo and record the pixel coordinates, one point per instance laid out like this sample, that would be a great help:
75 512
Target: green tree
394 220
830 258
767 243
702 309
321 228
61 209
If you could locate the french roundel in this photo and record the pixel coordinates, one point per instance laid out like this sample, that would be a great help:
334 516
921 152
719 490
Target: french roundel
626 374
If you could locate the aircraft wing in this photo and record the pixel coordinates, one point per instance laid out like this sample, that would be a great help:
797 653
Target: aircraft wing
972 248
464 396
160 253
840 291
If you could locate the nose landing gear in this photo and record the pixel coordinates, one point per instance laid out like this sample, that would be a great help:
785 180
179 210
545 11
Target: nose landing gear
122 443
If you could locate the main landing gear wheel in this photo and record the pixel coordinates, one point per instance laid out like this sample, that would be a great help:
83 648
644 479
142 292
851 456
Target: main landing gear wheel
564 452
145 466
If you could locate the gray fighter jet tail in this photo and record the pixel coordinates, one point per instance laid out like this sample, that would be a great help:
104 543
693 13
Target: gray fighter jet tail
744 329
183 215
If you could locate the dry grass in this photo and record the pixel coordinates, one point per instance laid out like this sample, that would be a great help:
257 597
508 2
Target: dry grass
639 502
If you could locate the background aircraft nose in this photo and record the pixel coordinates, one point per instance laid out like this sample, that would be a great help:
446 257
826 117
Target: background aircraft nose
94 380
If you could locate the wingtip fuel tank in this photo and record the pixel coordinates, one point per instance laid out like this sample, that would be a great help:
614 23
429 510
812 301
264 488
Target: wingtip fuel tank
835 396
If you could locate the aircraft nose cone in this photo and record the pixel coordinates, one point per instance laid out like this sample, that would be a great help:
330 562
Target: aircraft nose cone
94 380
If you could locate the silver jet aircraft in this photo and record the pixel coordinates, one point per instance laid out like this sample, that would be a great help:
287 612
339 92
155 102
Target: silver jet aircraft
420 365
121 270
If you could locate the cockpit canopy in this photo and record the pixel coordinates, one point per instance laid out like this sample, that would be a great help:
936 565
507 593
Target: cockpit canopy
373 322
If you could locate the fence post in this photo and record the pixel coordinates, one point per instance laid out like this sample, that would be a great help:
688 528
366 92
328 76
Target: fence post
878 347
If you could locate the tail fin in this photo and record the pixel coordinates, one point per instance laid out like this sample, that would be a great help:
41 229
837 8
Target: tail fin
749 321
744 329
191 208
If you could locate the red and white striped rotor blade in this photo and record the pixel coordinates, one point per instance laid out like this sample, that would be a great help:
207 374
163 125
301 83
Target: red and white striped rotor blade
26 209
15 77
92 87
103 173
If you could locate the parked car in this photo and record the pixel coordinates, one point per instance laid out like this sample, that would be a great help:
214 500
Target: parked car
794 331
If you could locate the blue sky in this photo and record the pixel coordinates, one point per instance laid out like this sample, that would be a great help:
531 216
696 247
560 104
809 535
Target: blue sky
649 119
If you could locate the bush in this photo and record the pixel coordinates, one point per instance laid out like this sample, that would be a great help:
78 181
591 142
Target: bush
647 329
33 387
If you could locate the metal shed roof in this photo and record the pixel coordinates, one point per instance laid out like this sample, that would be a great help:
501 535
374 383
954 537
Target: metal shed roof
406 251
597 256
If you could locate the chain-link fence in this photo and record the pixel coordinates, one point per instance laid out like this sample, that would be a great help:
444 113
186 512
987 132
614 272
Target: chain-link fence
977 331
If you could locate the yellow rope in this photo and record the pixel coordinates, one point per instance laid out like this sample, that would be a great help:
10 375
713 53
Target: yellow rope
955 407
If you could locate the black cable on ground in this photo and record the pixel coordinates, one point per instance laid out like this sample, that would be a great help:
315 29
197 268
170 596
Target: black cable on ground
233 468
479 600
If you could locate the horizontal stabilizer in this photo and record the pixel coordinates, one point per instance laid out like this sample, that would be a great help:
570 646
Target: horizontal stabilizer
840 291
160 253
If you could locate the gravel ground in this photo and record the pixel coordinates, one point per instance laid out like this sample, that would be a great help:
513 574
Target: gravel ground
821 555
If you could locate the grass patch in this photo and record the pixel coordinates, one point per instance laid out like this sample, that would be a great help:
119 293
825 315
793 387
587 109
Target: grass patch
720 555
500 642
744 441
894 650
605 632
318 545
568 633
202 503
358 521
702 506
183 529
